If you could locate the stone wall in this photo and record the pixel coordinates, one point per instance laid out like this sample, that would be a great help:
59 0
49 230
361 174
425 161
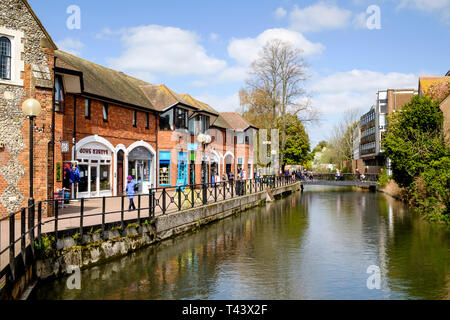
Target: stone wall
35 80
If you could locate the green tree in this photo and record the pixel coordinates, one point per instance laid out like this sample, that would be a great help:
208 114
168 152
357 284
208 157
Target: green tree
297 147
420 159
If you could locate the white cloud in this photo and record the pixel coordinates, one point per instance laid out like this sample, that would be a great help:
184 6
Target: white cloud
319 17
356 89
441 7
245 51
280 13
168 50
71 46
221 103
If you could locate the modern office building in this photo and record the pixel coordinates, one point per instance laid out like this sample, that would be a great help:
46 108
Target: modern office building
369 155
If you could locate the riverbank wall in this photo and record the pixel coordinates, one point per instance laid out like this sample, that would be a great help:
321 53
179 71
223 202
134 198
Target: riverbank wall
67 254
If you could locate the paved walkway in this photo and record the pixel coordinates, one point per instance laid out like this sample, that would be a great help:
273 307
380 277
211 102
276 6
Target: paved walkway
69 216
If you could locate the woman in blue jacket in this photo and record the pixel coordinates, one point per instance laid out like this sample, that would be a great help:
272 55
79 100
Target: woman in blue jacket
131 192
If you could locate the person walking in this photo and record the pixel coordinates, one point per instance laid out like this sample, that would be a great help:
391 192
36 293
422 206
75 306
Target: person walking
131 192
358 175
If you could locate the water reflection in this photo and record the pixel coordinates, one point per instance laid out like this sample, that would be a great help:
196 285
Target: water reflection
315 245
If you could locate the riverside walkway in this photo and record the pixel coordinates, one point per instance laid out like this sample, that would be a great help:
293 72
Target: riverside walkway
95 214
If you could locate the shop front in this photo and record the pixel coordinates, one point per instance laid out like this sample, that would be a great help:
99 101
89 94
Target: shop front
164 168
95 166
139 167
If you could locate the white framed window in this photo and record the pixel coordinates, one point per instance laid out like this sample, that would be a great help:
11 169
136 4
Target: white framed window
5 58
11 49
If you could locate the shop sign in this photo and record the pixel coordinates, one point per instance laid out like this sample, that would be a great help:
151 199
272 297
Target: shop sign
93 151
192 146
65 147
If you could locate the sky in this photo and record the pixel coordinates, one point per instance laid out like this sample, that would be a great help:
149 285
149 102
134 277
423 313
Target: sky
354 48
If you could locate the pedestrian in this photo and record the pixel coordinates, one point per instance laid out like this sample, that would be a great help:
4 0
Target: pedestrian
358 175
131 192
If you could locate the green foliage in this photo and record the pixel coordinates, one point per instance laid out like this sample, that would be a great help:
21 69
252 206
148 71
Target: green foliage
76 236
45 249
420 158
297 146
384 179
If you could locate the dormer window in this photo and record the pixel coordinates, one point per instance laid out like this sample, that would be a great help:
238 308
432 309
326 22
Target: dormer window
181 118
204 123
59 94
5 58
165 121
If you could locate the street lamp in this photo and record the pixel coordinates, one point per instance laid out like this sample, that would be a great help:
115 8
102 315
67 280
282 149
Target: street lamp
31 108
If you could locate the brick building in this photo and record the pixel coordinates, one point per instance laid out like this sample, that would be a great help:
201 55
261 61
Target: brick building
108 124
26 64
425 84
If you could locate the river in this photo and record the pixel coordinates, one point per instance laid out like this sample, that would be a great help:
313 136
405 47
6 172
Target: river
315 245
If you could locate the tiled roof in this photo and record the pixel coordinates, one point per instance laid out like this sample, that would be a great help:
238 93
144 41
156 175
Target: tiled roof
199 104
105 82
426 82
162 97
236 121
221 123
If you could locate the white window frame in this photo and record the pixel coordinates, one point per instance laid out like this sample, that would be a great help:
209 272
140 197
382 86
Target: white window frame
17 48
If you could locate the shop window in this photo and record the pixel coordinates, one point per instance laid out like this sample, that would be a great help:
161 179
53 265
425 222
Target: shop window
192 126
105 112
84 175
204 123
165 121
5 58
164 168
59 94
87 109
105 184
181 118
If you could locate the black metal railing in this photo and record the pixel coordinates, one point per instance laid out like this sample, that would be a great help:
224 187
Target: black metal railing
22 231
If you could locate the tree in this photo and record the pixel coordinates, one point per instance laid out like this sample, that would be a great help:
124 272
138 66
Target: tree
342 138
420 159
297 147
275 88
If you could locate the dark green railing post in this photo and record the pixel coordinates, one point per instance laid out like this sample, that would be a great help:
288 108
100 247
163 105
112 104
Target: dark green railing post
12 240
23 217
224 190
192 196
56 218
103 215
164 201
39 233
81 218
122 208
139 210
179 199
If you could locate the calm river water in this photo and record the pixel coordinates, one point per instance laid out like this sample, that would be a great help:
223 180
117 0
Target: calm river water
315 245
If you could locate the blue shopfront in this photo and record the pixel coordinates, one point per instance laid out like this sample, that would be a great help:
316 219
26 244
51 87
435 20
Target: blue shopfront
164 168
182 169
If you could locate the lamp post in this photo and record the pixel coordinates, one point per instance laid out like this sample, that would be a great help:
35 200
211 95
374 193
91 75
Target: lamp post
31 108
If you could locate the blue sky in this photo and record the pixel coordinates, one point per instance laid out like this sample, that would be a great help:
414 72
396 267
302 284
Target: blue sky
204 48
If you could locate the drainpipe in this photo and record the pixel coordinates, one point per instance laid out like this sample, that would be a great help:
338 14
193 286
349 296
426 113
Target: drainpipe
52 166
74 139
